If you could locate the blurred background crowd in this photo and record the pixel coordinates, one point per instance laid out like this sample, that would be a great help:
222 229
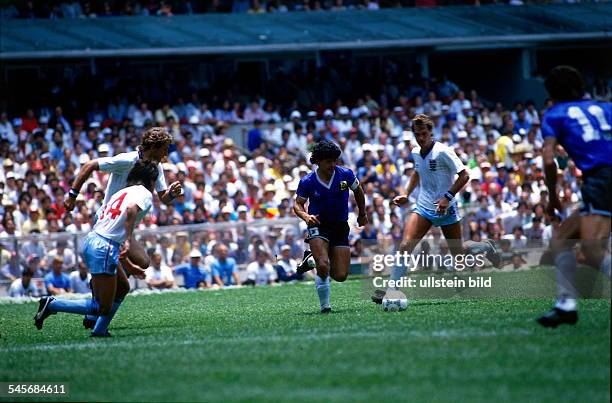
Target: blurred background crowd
29 9
252 177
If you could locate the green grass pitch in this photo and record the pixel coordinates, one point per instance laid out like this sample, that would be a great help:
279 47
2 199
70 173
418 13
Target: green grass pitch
270 344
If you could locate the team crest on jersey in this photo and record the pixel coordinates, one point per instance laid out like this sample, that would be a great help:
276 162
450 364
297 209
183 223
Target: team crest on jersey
343 185
432 165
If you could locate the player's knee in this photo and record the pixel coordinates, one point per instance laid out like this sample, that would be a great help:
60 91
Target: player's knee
593 255
339 277
322 267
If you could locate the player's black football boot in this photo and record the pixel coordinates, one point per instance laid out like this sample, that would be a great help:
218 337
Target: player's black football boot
556 317
494 255
43 312
107 334
326 310
303 267
378 296
88 323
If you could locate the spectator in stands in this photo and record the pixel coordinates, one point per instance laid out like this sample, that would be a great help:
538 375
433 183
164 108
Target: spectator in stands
286 267
260 272
57 282
224 269
80 279
194 274
24 286
66 253
158 275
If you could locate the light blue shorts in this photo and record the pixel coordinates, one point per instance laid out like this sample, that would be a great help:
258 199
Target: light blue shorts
101 255
451 217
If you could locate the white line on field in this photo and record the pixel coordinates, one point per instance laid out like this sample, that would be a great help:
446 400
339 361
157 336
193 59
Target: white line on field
135 343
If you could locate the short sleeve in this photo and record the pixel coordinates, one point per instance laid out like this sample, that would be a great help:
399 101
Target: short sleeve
548 126
120 163
303 189
160 184
351 179
145 201
453 162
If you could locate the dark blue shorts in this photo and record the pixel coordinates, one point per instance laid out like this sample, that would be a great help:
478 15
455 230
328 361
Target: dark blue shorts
335 233
596 196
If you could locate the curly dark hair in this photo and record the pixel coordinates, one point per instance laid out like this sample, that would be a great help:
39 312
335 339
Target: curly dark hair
325 150
565 83
144 173
156 137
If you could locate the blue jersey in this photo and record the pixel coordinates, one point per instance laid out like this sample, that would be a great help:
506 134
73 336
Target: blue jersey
225 270
329 201
192 275
583 129
60 281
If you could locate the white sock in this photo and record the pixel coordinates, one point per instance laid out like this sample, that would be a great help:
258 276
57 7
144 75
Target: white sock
397 272
565 264
566 304
323 289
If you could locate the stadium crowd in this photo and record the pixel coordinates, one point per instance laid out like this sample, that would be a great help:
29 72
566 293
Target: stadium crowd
28 9
41 151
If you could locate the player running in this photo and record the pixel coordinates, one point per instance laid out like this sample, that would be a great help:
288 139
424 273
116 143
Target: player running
109 243
154 147
582 127
326 190
436 166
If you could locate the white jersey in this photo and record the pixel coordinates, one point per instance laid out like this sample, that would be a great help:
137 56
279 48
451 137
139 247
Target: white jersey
437 172
111 218
18 290
119 166
78 285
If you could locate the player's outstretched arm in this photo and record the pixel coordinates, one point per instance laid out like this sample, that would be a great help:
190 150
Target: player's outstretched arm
412 184
444 202
299 209
82 176
173 191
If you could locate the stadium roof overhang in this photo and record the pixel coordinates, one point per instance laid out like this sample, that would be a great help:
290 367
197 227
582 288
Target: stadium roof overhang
233 34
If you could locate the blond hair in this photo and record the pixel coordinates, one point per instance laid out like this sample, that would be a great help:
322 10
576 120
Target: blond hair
156 137
422 120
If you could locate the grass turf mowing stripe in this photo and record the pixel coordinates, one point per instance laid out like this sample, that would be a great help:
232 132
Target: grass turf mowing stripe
270 344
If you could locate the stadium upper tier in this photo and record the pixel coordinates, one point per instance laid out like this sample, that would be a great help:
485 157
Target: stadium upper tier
458 27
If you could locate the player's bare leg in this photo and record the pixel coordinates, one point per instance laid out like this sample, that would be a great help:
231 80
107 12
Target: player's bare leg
340 262
594 233
320 251
415 229
453 236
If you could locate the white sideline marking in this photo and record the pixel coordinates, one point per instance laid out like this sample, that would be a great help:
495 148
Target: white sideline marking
134 343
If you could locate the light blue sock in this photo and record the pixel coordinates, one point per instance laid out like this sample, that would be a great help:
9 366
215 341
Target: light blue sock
323 289
78 306
103 321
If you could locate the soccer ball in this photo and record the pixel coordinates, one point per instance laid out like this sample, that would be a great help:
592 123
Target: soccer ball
394 301
311 262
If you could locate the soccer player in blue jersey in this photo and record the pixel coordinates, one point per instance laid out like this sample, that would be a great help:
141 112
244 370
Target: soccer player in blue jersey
327 191
582 127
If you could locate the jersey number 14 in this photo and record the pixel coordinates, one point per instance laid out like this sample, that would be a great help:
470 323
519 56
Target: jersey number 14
114 209
589 133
